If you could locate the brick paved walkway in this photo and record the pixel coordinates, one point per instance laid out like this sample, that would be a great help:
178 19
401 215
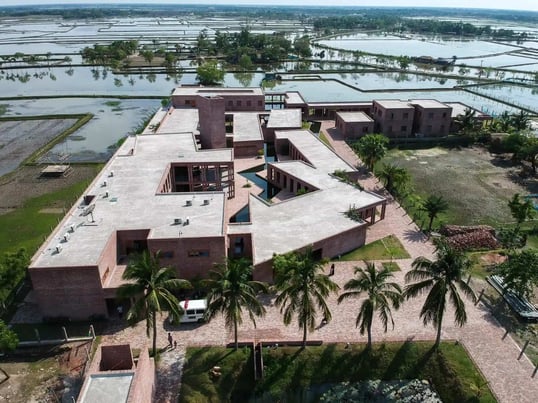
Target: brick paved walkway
511 380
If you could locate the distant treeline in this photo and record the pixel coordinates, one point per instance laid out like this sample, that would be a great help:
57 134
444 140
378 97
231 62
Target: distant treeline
304 13
392 23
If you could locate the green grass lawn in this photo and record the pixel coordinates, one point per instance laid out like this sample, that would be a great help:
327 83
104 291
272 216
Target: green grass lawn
382 249
29 225
290 371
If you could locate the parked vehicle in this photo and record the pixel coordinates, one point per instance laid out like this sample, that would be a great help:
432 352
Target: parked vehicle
194 310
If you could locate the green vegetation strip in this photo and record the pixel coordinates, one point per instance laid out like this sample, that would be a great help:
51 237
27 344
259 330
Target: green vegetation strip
27 226
289 372
389 247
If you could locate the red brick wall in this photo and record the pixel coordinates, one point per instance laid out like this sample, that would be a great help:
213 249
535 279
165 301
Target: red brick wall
187 266
331 247
143 386
74 292
212 122
116 357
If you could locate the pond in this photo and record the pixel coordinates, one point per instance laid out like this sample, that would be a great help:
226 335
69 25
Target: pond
418 47
113 120
331 91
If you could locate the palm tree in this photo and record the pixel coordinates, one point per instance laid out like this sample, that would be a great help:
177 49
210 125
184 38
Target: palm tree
467 120
442 277
153 286
393 176
433 206
371 148
231 290
302 289
520 121
381 295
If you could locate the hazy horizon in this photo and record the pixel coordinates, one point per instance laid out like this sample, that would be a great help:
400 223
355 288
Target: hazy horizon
516 5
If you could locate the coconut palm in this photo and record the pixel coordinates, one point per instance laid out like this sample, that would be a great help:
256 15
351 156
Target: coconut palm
152 285
381 294
442 278
393 176
231 290
466 121
433 206
520 121
302 289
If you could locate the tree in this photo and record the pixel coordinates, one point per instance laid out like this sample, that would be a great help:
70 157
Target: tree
394 177
371 148
302 46
153 286
231 291
8 342
433 206
466 121
210 73
521 209
245 62
520 272
302 289
520 121
8 338
148 55
529 152
381 294
442 278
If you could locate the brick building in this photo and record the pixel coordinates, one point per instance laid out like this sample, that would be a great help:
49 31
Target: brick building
167 190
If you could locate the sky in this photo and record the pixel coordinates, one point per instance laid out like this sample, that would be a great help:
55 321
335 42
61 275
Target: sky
499 4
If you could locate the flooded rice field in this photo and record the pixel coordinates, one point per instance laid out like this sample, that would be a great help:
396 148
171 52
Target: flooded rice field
77 88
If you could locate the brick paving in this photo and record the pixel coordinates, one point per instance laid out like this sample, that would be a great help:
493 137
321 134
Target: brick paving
510 379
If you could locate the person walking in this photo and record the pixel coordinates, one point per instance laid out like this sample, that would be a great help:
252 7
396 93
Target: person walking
331 272
170 340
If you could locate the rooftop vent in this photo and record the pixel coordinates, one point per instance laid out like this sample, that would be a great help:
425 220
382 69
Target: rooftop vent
187 221
72 228
206 202
111 174
104 184
58 249
177 221
65 238
188 203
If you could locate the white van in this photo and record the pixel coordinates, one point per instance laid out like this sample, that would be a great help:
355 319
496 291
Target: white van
194 310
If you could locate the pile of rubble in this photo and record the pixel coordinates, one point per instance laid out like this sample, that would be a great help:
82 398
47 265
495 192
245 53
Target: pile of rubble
478 237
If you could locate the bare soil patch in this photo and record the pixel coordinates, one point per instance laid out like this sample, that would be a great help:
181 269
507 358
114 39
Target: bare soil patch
476 184
26 183
20 138
44 374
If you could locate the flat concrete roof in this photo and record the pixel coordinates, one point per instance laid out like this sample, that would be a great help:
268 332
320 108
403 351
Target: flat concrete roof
178 120
351 117
429 103
129 201
285 118
339 104
393 104
459 108
247 126
108 388
217 91
319 214
294 98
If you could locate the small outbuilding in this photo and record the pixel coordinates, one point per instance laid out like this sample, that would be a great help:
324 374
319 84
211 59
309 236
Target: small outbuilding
354 125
